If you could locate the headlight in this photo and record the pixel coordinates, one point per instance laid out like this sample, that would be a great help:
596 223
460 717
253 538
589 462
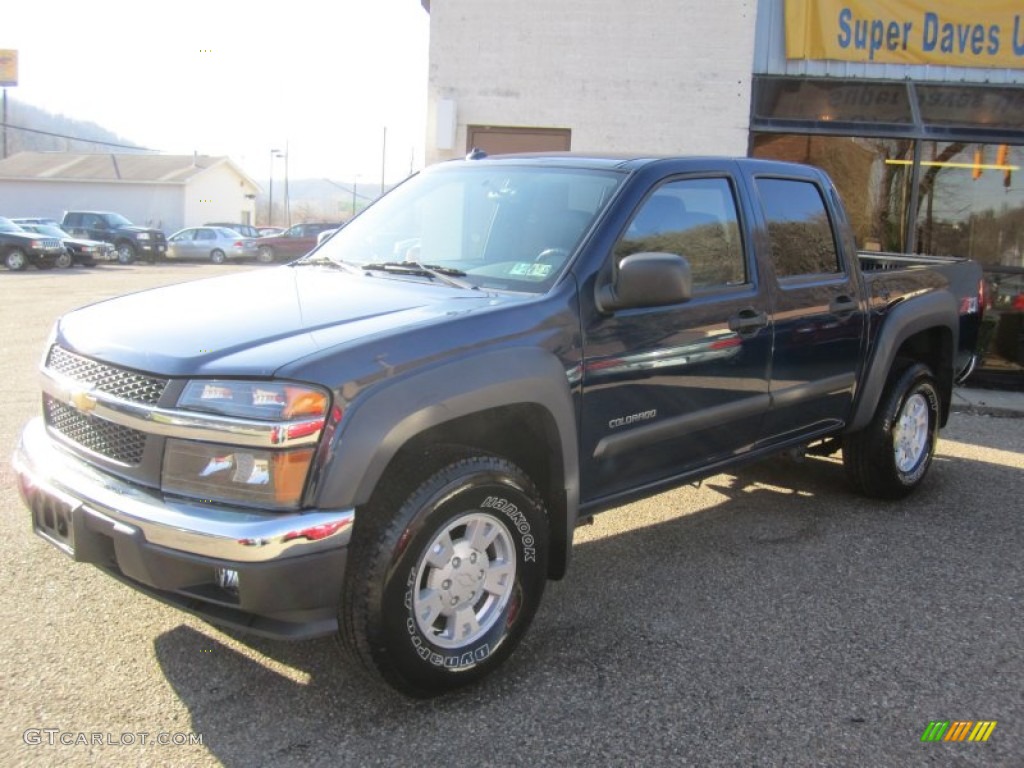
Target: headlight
143 236
264 400
259 476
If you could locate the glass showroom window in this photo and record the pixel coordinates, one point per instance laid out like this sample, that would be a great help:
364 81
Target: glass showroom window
873 177
971 202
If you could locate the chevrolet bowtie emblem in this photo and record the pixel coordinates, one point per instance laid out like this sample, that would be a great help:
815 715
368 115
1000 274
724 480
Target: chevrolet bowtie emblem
83 400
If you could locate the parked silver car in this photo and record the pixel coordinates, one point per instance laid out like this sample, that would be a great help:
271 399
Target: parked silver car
216 244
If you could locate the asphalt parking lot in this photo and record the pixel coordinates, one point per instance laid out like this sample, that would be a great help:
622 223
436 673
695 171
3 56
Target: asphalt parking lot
769 617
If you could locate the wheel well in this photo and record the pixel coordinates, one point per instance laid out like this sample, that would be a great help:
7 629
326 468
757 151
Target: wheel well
934 348
525 434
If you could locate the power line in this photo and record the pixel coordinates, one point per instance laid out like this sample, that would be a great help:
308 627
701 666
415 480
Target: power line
76 138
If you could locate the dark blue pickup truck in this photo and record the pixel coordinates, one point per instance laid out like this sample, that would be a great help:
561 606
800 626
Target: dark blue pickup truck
394 437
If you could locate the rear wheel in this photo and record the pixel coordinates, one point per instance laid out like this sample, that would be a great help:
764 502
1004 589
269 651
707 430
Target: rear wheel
265 254
217 256
444 579
891 455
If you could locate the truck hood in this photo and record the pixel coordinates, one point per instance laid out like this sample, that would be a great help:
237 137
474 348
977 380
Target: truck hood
253 323
136 229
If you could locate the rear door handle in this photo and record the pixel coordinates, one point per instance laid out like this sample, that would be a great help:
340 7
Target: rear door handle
748 321
842 305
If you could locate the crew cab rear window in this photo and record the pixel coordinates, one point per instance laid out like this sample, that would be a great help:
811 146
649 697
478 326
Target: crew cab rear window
697 219
798 228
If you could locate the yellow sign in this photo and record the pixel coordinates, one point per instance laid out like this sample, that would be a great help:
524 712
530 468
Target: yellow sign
8 67
983 33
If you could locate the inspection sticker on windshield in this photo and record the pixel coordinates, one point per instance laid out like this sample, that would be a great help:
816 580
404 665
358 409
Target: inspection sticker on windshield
530 269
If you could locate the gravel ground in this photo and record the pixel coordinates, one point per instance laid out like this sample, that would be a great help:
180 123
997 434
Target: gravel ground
769 617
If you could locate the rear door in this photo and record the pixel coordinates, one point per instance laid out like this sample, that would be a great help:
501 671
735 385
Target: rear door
818 315
669 390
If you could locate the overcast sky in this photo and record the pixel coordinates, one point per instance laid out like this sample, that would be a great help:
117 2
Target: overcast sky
235 78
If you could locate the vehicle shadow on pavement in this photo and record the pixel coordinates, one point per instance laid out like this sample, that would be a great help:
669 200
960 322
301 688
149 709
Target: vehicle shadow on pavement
768 612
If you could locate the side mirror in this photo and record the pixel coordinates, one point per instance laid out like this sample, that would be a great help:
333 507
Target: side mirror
647 280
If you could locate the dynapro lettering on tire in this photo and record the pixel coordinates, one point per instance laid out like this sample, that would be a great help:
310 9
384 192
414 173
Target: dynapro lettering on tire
444 580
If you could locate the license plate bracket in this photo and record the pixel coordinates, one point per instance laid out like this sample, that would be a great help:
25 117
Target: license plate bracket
53 519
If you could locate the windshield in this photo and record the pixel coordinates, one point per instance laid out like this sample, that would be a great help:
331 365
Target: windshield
502 227
117 220
6 225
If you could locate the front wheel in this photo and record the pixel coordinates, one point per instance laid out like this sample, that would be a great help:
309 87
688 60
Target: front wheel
15 260
217 256
125 253
889 458
65 260
443 582
265 254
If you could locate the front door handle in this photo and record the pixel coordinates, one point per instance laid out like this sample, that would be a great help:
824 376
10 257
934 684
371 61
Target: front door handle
748 321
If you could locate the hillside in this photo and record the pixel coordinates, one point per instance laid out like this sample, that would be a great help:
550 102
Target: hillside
29 128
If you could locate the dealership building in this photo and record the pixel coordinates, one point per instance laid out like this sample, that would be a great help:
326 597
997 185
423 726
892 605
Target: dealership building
915 107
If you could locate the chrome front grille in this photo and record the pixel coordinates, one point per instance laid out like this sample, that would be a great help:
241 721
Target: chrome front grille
121 383
114 441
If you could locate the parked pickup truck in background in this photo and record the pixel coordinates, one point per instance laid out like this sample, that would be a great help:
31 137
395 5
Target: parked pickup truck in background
394 437
130 241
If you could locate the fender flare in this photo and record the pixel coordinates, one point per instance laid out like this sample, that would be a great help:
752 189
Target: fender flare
910 317
390 414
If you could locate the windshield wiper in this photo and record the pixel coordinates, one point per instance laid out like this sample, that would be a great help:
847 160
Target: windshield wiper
323 261
445 275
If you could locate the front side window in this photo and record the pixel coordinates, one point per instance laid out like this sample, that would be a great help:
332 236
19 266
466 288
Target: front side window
696 219
799 228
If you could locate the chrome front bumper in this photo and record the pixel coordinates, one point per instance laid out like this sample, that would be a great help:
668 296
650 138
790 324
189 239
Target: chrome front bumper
278 575
209 530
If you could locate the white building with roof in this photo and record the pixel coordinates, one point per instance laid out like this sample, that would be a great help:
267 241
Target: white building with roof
164 191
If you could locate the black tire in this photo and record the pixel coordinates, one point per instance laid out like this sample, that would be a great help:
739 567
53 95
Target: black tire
65 260
217 256
890 457
125 253
404 588
16 260
265 254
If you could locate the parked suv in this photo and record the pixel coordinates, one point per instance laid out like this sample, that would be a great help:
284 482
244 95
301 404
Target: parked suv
131 241
295 241
76 250
19 248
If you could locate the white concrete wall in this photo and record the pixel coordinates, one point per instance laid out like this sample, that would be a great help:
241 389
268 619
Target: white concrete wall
652 76
158 205
218 194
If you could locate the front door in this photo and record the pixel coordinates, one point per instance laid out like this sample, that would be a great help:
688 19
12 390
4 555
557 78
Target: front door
668 390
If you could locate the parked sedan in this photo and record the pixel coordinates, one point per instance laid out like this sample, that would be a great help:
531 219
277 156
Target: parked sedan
245 230
215 244
77 250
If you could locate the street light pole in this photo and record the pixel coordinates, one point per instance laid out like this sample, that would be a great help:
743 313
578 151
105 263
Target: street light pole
270 203
287 197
